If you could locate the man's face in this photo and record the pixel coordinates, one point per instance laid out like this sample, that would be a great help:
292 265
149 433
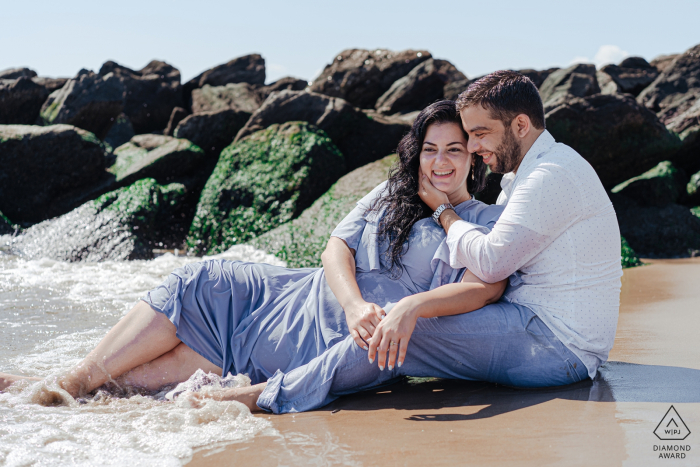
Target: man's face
488 138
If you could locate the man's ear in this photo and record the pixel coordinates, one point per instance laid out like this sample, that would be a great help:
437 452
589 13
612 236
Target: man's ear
522 125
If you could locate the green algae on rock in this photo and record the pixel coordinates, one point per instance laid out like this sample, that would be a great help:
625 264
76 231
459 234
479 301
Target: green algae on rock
301 241
262 181
120 225
6 226
629 257
658 186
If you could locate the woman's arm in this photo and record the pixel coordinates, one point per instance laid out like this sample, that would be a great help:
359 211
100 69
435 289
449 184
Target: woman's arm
339 265
452 299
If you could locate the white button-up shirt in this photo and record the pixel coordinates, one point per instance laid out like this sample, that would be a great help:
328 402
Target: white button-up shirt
559 241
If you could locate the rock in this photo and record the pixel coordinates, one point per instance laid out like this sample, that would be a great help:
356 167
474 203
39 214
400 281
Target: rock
88 101
163 158
616 135
687 126
125 224
176 117
537 76
151 93
670 231
562 85
121 132
6 226
50 84
14 73
212 131
20 101
662 62
246 69
629 256
676 89
262 181
693 190
47 171
454 89
631 76
420 87
241 96
361 76
283 84
300 242
360 137
659 186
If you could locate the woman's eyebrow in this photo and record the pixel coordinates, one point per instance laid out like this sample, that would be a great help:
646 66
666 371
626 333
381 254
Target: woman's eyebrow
456 142
428 142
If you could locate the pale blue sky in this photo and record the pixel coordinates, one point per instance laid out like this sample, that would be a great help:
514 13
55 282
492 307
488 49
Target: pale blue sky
298 38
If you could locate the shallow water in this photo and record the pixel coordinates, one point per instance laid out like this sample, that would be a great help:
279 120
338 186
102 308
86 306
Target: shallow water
51 314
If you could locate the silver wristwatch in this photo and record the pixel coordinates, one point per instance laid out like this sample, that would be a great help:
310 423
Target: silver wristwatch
439 210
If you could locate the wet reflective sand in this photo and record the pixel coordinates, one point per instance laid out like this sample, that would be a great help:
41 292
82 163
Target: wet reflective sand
655 363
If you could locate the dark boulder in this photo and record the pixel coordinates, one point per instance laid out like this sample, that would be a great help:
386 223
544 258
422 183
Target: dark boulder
47 171
692 196
676 89
662 62
454 89
124 224
616 135
50 84
537 76
163 158
246 69
20 101
178 114
687 126
490 193
662 185
300 242
89 101
151 93
121 132
362 138
240 96
669 231
361 76
262 181
283 84
14 73
212 131
631 76
565 84
422 86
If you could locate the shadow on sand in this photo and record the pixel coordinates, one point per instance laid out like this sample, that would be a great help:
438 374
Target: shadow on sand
616 382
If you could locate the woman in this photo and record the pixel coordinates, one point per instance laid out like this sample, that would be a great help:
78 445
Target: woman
388 255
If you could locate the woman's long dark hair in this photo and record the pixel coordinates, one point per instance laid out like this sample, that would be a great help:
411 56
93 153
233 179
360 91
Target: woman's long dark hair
400 201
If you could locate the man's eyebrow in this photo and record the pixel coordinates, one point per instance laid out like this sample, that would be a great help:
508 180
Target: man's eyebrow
478 128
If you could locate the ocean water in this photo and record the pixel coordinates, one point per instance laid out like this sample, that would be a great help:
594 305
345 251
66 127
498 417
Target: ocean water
51 315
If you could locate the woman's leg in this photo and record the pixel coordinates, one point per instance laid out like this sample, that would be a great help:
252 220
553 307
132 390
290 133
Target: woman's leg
141 336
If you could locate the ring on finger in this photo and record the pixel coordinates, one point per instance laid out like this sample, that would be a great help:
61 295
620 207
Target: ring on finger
392 343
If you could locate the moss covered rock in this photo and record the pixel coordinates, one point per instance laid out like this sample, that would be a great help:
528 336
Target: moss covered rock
693 190
300 242
659 186
629 257
6 226
262 181
616 135
123 224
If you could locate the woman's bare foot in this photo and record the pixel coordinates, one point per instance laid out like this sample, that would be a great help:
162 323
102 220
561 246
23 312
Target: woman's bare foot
7 380
247 396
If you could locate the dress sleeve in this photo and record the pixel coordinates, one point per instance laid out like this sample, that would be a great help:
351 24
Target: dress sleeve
352 227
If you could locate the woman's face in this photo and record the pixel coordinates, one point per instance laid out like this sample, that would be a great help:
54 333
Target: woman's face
445 160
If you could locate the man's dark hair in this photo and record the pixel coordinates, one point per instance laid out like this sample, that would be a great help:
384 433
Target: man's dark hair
506 94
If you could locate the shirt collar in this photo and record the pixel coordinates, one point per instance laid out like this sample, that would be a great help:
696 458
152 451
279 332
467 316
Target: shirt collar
542 144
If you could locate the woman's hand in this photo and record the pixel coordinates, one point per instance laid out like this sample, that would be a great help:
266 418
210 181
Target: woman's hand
393 333
363 318
430 195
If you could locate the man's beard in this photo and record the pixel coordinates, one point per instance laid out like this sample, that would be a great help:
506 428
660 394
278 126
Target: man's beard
507 154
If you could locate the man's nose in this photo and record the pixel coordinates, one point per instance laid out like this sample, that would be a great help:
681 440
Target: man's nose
473 145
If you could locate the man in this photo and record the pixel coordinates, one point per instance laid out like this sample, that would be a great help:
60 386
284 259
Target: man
558 237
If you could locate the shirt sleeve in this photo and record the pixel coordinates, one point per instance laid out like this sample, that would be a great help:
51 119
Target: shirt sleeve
540 209
352 227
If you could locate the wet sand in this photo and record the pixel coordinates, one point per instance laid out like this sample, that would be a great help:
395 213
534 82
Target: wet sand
655 363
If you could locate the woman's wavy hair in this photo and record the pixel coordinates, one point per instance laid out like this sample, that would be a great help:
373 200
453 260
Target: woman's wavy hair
399 200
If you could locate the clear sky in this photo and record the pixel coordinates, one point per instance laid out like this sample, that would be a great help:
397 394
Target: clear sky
299 37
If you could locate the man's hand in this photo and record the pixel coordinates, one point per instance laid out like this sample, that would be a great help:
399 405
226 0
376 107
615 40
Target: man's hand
363 318
430 195
393 334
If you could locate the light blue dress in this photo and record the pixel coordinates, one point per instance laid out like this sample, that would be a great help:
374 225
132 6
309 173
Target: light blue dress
257 319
